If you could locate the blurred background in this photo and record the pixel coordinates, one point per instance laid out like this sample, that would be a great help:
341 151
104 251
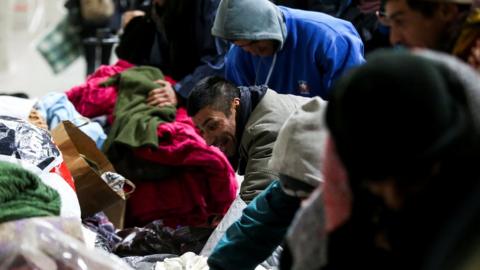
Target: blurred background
22 69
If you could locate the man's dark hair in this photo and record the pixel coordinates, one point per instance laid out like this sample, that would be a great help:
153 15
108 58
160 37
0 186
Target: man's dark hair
426 8
213 91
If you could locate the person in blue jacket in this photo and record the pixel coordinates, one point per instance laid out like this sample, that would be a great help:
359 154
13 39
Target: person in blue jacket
292 51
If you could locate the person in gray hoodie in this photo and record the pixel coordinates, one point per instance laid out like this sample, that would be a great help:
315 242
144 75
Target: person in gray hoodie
292 51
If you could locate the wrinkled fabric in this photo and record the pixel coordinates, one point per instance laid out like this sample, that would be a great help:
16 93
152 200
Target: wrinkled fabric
188 261
264 222
24 195
258 138
260 229
203 183
265 21
318 49
55 108
51 243
32 148
106 236
298 150
233 214
157 238
92 100
249 98
135 121
146 262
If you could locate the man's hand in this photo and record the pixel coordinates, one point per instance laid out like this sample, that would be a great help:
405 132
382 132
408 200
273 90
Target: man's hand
474 57
162 96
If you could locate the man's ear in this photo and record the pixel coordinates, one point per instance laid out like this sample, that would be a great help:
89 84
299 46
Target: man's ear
236 103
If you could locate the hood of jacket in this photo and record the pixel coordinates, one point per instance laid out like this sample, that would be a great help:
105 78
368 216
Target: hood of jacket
249 20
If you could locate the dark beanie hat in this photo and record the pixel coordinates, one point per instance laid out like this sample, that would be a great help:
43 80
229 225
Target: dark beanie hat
136 41
395 114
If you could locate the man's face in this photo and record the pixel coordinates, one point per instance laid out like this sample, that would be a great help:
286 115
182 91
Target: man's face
218 129
411 28
257 47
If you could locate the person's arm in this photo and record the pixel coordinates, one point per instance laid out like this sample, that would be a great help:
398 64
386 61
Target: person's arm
261 228
258 146
340 51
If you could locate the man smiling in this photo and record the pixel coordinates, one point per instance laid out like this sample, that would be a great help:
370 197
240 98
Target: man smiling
244 123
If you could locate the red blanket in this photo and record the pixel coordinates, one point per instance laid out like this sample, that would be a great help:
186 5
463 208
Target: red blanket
203 186
92 100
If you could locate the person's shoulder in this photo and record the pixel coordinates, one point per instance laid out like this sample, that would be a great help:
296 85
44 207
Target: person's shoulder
275 107
313 20
274 97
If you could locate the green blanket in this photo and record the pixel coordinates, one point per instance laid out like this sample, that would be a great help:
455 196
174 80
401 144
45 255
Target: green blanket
136 122
24 195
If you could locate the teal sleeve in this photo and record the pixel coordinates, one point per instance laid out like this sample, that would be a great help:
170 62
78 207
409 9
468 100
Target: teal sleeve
260 229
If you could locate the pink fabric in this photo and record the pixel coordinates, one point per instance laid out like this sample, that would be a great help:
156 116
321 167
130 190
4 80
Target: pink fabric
92 100
204 186
337 193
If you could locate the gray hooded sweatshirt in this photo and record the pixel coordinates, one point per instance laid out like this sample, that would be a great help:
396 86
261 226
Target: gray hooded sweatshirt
236 19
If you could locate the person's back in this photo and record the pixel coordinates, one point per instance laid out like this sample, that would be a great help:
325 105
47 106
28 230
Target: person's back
258 137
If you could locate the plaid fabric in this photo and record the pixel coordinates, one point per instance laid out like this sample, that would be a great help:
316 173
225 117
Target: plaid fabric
61 46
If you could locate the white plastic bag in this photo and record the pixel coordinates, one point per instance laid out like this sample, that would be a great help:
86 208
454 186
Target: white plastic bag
41 246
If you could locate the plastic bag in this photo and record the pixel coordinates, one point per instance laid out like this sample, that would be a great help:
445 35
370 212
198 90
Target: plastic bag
41 246
156 238
232 215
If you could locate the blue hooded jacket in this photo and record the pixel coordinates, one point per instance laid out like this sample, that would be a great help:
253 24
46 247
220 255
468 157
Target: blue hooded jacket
315 48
